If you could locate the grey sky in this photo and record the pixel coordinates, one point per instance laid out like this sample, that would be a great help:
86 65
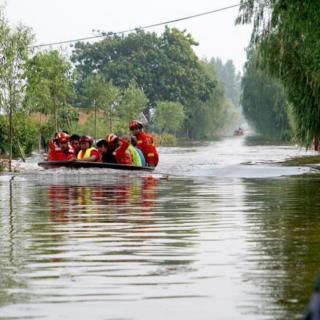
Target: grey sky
58 20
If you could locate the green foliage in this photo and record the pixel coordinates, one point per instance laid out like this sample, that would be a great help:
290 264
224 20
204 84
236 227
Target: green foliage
231 81
100 93
49 85
214 116
165 67
25 132
133 101
287 33
166 139
13 55
168 116
68 116
264 102
91 127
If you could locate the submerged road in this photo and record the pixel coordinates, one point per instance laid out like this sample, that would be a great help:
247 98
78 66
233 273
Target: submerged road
219 231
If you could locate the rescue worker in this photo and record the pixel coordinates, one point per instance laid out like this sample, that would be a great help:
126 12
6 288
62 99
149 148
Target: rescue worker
75 143
87 153
144 143
60 148
106 154
119 148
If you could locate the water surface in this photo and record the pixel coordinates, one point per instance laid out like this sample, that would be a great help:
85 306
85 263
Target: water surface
219 231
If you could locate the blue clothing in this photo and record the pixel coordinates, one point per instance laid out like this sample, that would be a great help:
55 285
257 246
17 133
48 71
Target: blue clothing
143 160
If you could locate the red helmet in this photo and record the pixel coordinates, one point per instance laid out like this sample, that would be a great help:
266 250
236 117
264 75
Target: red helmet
111 138
135 124
86 139
63 137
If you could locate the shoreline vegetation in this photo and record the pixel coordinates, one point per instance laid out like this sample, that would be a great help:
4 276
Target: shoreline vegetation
159 80
101 86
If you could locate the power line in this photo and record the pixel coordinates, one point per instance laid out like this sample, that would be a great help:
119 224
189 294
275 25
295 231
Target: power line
134 29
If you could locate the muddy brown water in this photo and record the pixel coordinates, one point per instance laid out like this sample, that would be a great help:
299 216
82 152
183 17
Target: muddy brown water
218 231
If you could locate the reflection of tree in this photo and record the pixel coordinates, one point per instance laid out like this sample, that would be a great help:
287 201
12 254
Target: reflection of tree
284 242
107 228
11 249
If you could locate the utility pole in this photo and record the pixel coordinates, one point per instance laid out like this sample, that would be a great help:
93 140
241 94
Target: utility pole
95 119
10 84
10 136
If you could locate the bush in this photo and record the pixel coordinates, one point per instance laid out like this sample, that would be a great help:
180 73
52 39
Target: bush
25 133
165 139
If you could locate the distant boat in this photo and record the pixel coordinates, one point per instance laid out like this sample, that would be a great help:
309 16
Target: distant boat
238 132
74 164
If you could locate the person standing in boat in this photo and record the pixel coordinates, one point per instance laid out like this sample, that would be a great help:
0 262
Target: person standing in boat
119 148
144 143
60 148
87 152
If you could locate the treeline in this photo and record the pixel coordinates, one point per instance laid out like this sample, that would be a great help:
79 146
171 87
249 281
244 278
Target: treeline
281 84
118 78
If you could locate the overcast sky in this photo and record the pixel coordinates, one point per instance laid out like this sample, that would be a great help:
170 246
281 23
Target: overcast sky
59 20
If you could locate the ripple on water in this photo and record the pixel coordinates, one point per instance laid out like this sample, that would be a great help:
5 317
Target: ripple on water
126 246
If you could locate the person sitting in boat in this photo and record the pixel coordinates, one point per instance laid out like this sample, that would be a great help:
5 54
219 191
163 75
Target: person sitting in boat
136 159
106 155
87 152
75 143
144 143
119 148
134 143
60 148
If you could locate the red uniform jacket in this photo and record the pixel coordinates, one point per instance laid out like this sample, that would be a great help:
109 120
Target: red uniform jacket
146 145
57 154
122 155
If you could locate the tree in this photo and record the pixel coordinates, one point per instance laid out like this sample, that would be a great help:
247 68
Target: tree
231 81
164 67
14 50
287 33
264 102
168 116
49 87
102 95
133 101
213 116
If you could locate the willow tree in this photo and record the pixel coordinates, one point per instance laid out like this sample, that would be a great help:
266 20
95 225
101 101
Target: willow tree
264 102
288 33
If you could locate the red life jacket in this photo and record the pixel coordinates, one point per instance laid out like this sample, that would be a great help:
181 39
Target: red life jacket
122 154
57 154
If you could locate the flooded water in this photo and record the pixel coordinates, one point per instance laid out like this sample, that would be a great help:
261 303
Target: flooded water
218 231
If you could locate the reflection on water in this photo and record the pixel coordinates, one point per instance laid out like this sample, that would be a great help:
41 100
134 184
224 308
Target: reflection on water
109 245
